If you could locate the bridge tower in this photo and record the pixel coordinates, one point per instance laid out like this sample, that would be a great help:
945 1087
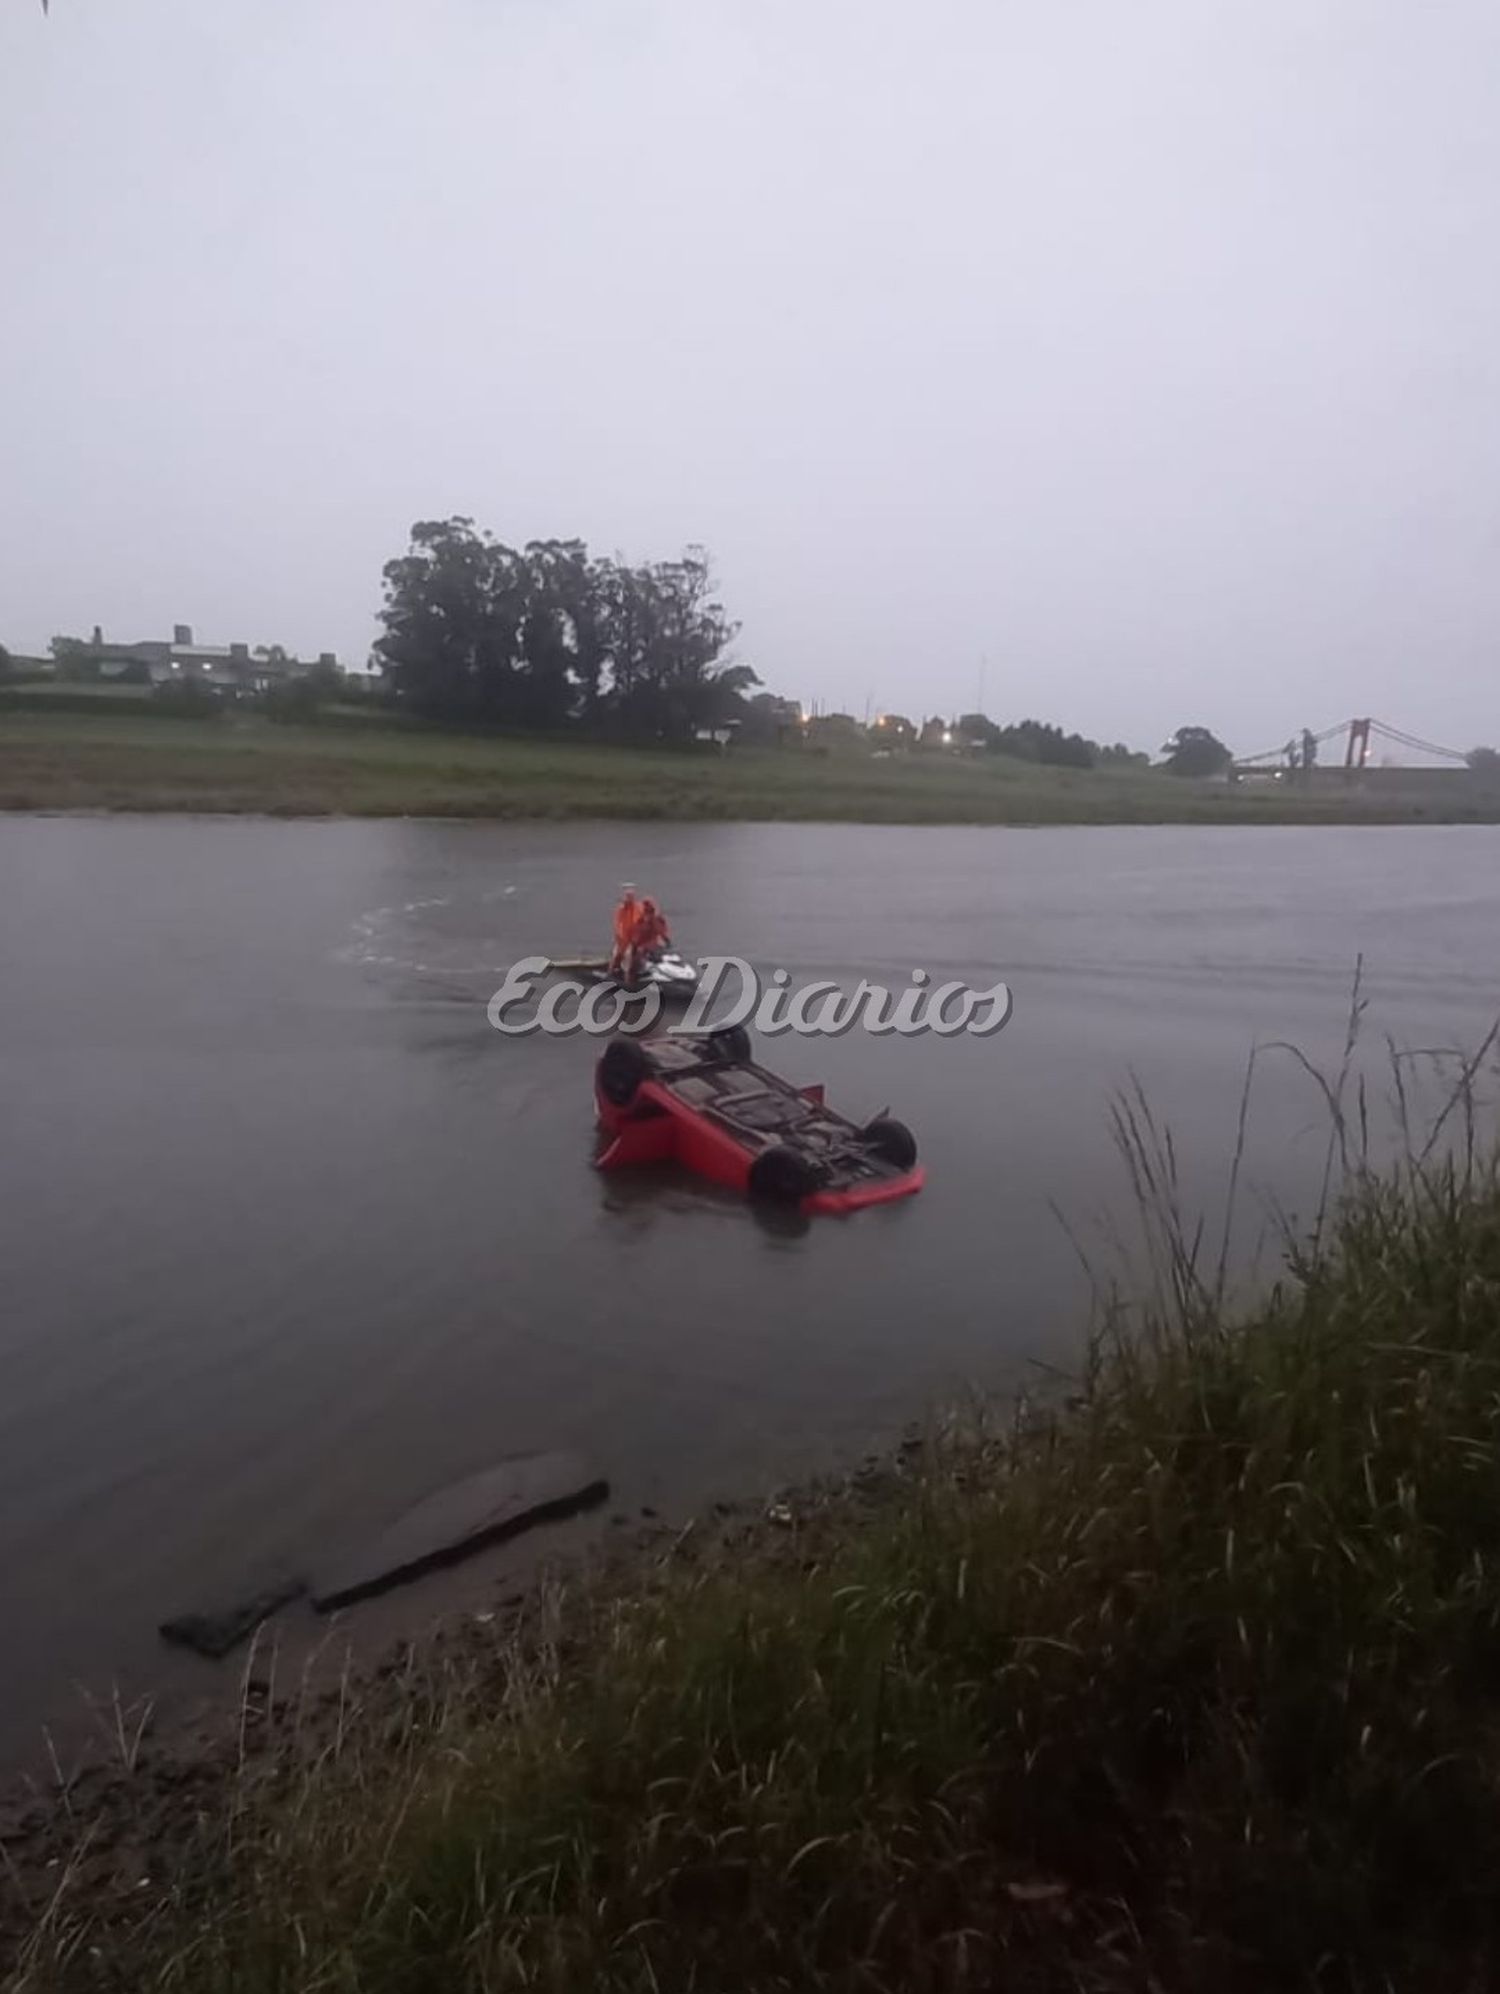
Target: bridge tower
1357 753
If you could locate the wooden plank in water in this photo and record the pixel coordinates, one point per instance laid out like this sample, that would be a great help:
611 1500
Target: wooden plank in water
458 1520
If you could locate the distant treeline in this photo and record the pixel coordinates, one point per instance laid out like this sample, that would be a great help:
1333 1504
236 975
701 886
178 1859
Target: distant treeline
1038 741
1026 740
551 638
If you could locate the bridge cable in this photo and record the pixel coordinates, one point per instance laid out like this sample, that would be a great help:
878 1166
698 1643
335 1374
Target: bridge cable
1406 740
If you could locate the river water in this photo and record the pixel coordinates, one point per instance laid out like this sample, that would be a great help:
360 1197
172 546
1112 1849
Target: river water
289 1236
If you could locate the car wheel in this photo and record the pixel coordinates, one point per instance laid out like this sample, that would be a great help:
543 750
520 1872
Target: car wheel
623 1065
782 1175
892 1141
730 1042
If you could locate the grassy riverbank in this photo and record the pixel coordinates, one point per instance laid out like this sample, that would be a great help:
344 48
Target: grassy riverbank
1194 1684
114 760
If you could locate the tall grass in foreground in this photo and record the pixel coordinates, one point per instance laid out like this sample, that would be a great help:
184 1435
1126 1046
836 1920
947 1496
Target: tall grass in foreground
1195 1684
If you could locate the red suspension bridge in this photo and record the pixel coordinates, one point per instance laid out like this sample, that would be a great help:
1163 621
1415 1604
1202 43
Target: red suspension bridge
1302 750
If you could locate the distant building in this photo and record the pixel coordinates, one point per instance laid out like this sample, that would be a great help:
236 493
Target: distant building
834 730
155 661
892 731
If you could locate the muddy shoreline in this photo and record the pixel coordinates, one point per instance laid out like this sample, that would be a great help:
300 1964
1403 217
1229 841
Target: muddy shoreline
145 1800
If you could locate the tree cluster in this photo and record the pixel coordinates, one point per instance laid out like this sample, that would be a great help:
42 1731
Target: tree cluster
552 637
1196 751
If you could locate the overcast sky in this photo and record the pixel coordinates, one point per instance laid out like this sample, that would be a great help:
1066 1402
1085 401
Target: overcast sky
1146 349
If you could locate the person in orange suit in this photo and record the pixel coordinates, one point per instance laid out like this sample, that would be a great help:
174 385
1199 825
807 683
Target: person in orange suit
650 930
627 918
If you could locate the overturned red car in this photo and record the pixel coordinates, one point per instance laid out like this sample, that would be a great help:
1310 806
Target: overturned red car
700 1100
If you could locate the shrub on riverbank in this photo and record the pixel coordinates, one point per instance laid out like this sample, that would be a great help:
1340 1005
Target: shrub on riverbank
1194 1684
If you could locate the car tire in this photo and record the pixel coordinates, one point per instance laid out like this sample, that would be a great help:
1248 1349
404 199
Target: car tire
730 1042
892 1141
782 1175
623 1065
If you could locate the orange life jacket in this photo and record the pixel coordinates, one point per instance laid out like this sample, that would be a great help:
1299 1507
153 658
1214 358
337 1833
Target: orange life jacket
627 919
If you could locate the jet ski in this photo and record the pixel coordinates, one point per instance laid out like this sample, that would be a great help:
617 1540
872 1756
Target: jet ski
664 970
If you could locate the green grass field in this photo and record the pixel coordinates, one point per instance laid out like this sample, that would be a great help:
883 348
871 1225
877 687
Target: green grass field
115 760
